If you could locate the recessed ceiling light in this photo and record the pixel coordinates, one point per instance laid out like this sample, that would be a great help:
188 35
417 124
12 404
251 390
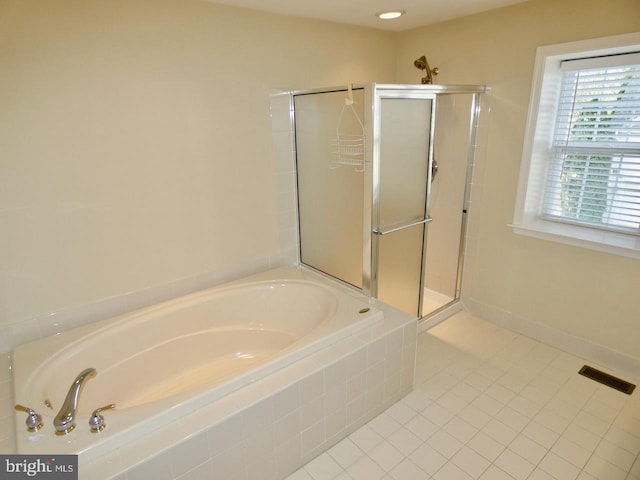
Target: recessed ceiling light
390 15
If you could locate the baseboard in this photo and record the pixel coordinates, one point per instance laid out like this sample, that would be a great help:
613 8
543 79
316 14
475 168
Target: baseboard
618 363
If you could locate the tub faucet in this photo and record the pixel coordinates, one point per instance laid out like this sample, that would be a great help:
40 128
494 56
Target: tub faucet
65 420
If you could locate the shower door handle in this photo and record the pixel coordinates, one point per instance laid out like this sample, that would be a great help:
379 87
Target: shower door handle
397 228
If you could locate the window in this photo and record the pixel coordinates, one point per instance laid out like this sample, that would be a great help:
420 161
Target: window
580 176
594 173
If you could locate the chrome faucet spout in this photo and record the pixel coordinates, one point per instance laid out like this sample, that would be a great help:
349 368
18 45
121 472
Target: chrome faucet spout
65 420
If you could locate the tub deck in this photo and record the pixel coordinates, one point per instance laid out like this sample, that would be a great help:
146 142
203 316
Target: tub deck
157 380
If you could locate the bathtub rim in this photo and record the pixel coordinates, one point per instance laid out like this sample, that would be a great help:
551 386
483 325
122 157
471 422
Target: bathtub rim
113 465
203 398
36 354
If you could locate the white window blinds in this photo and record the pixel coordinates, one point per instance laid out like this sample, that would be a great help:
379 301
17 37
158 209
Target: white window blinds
594 173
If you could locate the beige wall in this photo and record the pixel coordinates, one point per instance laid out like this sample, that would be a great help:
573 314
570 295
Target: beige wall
136 140
135 148
581 292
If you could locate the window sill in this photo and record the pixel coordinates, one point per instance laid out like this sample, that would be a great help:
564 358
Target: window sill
602 241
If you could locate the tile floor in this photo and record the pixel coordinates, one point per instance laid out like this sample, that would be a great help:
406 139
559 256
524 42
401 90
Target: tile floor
490 404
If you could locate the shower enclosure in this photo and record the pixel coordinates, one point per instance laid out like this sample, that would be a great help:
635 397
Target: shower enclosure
383 176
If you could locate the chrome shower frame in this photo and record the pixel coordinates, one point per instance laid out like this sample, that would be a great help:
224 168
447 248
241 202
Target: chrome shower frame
373 93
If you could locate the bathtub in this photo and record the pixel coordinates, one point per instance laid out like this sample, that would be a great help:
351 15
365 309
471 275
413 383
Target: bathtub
166 361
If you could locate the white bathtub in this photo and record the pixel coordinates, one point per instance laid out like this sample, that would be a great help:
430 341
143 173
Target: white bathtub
166 361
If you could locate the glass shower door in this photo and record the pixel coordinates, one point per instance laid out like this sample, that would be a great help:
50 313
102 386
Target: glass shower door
454 141
330 194
401 175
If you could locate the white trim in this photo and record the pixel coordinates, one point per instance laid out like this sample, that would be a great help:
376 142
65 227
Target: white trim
600 62
618 363
625 43
593 239
537 142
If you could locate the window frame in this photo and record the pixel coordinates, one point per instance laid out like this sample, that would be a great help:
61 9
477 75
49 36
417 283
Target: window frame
547 76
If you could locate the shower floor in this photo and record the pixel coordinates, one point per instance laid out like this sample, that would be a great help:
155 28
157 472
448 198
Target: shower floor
432 300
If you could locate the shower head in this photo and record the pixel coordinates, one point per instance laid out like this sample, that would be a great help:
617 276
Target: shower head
422 64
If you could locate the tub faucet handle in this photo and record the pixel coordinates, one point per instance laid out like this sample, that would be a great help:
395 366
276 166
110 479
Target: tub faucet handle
33 421
96 422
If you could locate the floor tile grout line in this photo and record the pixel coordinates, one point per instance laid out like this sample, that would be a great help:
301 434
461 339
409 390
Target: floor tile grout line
532 419
542 377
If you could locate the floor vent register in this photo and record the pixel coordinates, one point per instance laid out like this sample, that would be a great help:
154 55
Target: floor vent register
608 380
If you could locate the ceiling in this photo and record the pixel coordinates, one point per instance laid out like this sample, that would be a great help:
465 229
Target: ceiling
362 12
